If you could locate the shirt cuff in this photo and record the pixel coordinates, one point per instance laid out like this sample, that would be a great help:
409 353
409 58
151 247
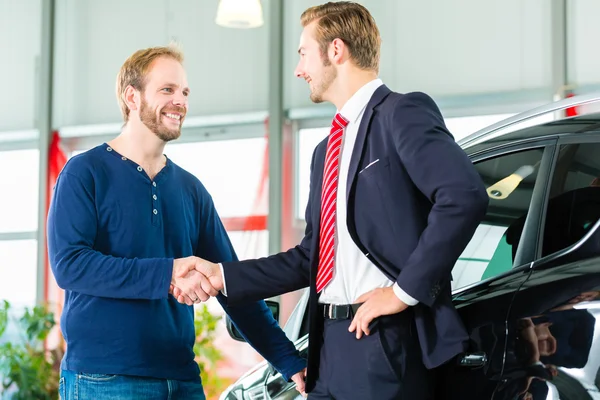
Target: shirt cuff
402 295
224 291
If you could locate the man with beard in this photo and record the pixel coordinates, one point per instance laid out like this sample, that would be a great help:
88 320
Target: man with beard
393 202
125 226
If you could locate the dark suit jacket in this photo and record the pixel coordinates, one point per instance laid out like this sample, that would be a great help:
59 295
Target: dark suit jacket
411 213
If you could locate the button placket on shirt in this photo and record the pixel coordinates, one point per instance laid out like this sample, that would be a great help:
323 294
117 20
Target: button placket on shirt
155 217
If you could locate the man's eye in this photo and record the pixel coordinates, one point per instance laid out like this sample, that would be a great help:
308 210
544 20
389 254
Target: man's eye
168 90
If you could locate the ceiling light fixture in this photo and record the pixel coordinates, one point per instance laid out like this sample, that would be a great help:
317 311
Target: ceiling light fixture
242 14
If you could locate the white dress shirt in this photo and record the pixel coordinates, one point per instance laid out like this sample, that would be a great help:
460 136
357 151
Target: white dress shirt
353 273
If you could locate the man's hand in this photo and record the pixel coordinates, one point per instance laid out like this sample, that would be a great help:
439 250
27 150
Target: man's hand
190 285
377 302
298 379
212 272
195 268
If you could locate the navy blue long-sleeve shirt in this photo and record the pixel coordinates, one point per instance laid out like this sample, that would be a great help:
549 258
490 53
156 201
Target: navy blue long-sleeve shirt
113 234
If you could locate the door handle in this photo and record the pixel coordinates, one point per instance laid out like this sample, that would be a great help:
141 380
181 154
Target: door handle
473 360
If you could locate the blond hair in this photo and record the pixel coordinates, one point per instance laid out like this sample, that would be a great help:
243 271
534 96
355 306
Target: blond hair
136 67
353 24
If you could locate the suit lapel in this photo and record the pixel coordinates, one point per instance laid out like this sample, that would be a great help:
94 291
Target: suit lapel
380 94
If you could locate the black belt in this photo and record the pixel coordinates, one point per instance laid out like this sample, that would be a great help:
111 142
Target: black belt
339 311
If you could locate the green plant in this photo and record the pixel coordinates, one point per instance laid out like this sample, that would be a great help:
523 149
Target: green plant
26 368
207 355
30 372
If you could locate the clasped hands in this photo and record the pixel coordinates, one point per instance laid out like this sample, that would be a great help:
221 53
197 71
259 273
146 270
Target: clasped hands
195 280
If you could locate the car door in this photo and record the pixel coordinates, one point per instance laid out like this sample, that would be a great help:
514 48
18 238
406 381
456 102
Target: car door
496 263
553 341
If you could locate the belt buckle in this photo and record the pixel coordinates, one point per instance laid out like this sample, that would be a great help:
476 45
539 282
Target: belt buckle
338 311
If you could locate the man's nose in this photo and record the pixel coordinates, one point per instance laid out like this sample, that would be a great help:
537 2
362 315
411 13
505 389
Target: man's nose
299 72
180 99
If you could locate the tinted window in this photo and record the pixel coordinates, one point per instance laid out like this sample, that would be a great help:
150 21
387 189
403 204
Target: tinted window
509 180
574 203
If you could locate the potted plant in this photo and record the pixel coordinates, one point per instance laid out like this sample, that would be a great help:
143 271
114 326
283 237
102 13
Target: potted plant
27 370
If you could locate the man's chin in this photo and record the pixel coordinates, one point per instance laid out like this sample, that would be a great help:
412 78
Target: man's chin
316 98
168 136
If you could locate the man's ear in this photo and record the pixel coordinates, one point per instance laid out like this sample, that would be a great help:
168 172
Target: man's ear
338 51
132 97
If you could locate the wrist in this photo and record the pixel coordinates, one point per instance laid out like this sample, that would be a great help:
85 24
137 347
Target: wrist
216 279
175 269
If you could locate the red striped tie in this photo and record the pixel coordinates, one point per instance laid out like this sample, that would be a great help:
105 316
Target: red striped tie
328 203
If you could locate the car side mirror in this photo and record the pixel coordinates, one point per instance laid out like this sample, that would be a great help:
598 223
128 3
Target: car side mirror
233 331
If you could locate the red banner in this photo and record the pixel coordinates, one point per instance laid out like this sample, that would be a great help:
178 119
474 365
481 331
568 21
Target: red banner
53 295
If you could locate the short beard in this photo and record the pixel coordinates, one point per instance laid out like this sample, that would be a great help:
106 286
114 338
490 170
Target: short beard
154 123
329 75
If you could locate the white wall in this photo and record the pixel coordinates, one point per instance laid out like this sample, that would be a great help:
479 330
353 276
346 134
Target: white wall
583 31
227 68
448 48
20 45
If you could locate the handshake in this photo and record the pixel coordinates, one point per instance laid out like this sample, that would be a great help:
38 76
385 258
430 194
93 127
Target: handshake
195 280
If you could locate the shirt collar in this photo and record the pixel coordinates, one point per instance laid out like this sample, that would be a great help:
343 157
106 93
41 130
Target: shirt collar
357 103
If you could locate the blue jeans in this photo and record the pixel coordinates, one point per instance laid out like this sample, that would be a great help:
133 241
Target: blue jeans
84 386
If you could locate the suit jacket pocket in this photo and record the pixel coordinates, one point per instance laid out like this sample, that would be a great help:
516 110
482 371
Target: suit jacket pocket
374 166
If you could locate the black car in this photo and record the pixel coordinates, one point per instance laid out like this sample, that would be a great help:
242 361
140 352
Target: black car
528 284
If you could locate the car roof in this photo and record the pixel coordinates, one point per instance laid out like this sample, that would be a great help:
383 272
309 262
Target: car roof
523 126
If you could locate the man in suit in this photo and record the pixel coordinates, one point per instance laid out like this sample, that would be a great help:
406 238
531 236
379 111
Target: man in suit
393 202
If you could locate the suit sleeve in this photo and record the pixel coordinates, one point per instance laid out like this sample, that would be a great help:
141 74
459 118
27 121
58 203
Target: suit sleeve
441 170
276 274
253 319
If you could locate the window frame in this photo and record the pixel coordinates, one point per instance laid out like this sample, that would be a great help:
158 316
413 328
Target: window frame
583 138
530 243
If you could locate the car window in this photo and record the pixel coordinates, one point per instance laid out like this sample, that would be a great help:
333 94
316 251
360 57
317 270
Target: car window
297 323
574 201
509 180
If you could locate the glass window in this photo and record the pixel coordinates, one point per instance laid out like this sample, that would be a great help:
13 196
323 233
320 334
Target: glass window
574 204
20 186
461 127
308 139
250 244
509 180
18 272
230 170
